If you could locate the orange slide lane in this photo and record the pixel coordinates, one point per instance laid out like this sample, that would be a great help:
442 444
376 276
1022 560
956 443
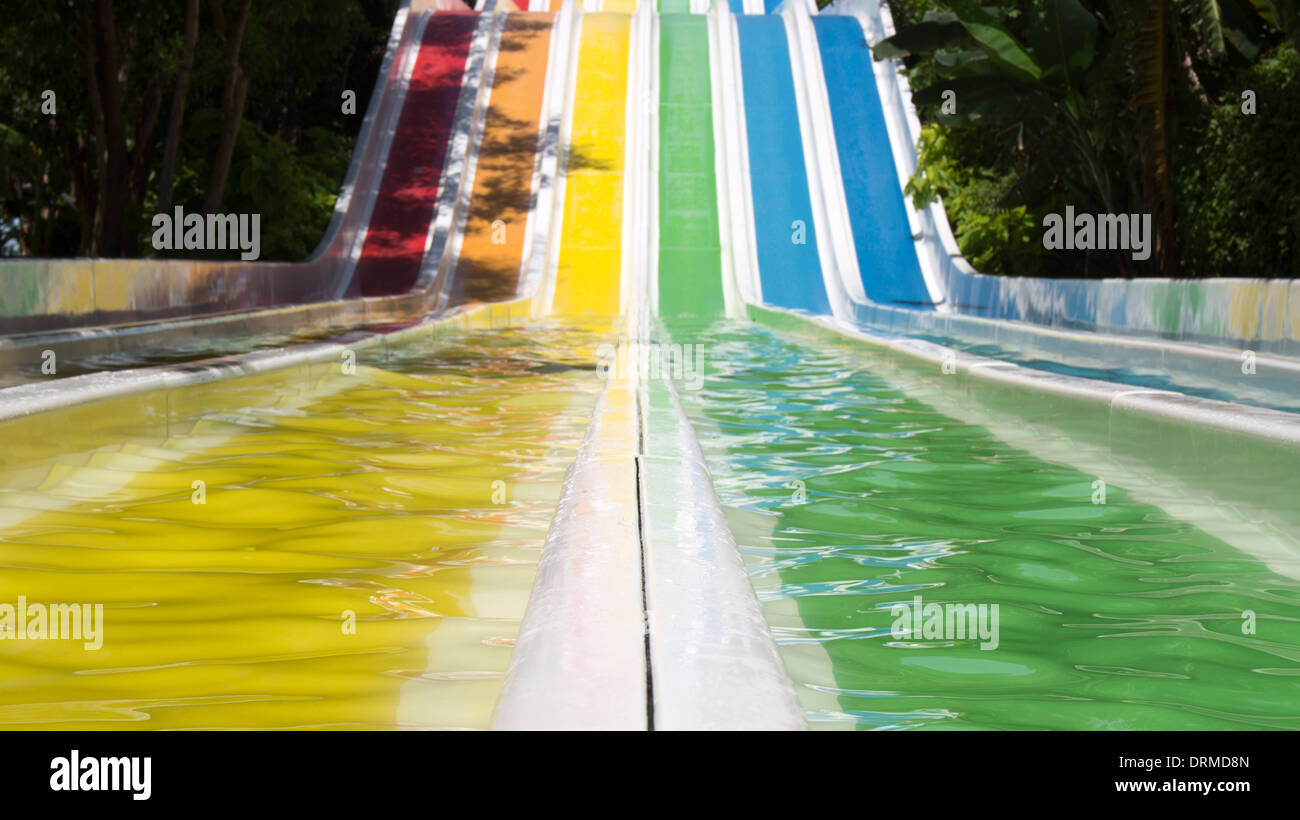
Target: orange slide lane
491 252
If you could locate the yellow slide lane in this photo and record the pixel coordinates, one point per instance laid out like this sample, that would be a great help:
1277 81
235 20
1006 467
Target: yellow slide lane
363 551
588 278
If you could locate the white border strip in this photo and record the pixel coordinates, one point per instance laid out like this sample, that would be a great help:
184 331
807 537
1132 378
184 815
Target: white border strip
724 165
579 661
553 234
364 201
457 185
829 241
828 155
713 658
545 160
400 39
639 96
650 124
734 147
545 213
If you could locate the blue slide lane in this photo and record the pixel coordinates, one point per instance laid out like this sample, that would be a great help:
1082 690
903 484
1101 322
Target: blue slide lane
790 273
887 259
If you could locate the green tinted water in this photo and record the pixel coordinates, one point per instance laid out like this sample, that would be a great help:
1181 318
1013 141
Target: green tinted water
848 497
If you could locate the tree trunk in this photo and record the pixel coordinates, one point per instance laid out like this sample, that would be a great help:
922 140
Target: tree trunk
142 152
113 185
233 98
177 120
88 193
1152 78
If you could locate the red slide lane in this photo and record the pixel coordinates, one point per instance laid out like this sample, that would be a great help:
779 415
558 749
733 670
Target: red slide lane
399 225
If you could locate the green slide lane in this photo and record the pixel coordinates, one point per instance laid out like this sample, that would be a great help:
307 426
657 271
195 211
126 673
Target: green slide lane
674 6
855 503
690 280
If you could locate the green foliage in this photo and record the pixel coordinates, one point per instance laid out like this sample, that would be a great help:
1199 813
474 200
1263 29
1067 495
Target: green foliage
994 238
1030 77
909 12
293 144
294 192
292 187
1239 188
1106 105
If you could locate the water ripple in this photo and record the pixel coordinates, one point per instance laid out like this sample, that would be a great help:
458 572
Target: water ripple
848 497
362 556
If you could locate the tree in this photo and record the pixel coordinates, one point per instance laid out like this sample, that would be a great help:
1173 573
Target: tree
1086 96
166 177
232 100
252 122
123 166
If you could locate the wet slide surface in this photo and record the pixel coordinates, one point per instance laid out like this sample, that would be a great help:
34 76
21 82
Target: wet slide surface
195 348
399 225
411 499
491 251
790 273
887 259
588 277
848 496
1274 396
690 266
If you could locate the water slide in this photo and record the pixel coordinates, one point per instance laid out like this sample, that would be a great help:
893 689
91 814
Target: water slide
628 391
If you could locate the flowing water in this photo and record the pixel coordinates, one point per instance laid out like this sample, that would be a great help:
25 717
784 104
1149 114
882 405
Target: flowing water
848 497
36 366
1279 393
361 559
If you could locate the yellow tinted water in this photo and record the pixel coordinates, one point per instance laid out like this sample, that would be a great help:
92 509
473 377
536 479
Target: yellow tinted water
415 496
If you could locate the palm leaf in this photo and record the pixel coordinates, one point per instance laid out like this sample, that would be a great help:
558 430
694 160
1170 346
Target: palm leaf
997 42
920 38
1209 20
